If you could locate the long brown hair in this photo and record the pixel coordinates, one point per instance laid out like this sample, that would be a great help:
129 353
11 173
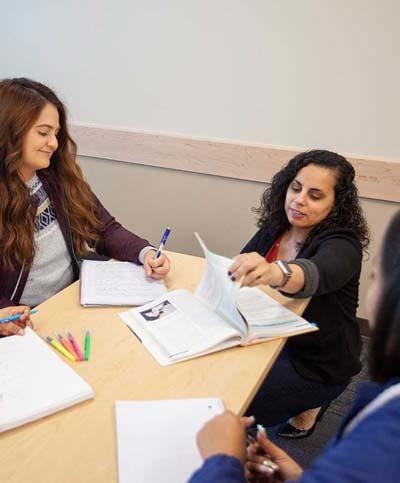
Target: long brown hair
21 102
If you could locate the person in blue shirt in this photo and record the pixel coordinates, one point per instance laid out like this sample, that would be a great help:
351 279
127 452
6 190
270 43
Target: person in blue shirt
366 447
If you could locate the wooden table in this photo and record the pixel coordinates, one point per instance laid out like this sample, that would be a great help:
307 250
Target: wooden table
79 443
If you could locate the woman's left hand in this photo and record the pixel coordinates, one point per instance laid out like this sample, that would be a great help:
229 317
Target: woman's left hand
255 270
259 458
156 268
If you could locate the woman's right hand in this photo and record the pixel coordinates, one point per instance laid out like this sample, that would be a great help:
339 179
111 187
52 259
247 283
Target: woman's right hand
16 327
256 471
224 434
254 270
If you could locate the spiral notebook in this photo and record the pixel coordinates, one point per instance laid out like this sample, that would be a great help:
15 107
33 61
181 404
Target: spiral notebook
35 381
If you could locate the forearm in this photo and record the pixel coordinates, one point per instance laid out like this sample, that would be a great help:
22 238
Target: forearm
221 469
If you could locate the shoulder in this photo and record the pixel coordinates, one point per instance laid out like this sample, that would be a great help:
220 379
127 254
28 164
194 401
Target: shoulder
369 453
336 239
385 421
381 416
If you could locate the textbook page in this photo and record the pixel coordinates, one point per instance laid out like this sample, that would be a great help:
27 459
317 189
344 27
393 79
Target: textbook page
268 318
218 290
34 381
179 326
156 440
117 283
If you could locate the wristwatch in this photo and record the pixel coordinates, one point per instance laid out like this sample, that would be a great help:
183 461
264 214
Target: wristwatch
287 273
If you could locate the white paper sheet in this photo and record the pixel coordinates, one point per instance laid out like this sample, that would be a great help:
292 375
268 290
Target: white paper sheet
217 290
156 440
179 326
117 283
34 381
266 317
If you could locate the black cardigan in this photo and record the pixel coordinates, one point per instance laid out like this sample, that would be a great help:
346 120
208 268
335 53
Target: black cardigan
330 355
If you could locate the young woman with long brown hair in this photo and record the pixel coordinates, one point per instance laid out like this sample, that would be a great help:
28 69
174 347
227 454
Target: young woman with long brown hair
49 217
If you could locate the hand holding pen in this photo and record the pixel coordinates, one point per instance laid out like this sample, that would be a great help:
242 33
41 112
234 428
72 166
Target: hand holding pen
13 320
267 462
156 264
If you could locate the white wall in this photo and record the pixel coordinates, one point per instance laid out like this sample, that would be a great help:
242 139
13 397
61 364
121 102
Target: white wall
288 72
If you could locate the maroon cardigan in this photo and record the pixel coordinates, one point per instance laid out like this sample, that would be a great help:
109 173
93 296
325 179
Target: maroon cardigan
115 242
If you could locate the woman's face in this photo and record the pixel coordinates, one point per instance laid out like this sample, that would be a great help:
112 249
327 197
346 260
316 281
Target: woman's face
310 196
40 142
374 290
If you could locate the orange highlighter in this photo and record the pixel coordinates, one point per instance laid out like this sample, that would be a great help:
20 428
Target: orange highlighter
60 348
67 344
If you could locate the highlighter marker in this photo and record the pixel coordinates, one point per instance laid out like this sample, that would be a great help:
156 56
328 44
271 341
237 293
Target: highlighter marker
87 345
75 346
68 346
60 348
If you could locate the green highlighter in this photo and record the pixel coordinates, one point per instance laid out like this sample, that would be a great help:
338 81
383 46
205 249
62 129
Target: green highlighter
87 345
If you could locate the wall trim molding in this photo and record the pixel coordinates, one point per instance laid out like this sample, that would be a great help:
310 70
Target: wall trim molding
377 178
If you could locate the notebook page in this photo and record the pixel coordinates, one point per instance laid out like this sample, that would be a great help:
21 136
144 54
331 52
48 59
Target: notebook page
266 317
156 440
117 283
218 290
179 326
34 381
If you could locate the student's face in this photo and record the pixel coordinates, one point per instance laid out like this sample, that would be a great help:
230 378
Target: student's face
310 196
40 142
374 290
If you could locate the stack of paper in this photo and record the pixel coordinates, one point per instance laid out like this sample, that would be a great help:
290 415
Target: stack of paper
157 439
34 381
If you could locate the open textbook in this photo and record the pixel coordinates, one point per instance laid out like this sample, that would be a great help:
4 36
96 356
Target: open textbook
182 325
150 448
34 381
117 283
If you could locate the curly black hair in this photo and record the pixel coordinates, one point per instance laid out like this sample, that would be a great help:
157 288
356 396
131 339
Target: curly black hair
346 213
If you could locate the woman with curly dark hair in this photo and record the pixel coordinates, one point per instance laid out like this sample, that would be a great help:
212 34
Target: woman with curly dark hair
310 243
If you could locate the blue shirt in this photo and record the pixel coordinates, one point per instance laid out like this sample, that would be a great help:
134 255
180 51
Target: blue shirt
370 453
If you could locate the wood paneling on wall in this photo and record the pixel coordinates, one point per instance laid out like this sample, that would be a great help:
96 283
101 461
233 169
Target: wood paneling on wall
376 178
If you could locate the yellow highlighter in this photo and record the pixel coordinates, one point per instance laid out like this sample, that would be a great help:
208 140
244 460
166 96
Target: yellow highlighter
60 348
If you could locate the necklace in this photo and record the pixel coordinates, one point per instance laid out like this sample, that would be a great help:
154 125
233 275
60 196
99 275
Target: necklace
299 246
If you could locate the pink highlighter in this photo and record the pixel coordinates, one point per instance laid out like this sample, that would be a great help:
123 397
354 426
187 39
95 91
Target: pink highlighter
75 346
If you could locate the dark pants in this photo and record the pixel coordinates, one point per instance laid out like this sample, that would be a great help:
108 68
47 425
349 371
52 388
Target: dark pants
284 393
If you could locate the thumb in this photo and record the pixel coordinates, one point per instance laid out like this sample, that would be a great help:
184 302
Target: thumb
157 262
268 446
247 421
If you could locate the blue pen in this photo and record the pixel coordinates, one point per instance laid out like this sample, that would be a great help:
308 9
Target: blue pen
162 242
15 317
